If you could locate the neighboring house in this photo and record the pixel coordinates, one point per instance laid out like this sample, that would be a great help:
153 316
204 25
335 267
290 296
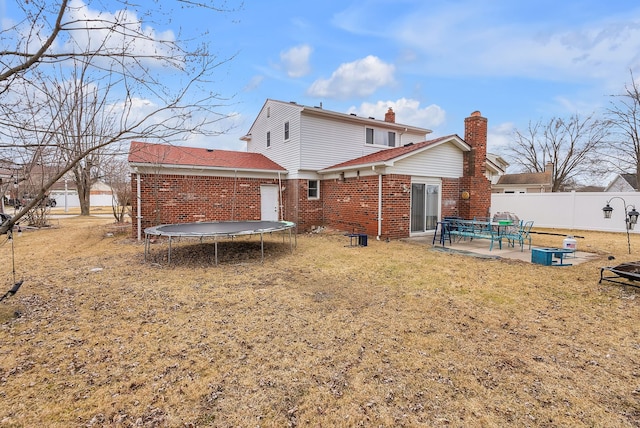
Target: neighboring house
317 167
526 182
496 167
623 183
65 193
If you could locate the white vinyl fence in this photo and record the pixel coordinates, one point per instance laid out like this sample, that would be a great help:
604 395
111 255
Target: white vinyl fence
71 200
570 210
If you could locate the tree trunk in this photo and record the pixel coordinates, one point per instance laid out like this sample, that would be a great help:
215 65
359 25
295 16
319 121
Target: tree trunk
85 200
83 184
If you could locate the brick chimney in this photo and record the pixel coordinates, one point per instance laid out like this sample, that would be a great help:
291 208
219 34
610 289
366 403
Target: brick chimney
390 116
475 134
549 167
474 181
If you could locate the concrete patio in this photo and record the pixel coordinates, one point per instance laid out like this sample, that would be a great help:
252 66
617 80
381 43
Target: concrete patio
480 248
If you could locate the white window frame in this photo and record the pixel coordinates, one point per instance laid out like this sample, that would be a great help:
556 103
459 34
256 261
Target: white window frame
316 188
380 137
268 138
287 131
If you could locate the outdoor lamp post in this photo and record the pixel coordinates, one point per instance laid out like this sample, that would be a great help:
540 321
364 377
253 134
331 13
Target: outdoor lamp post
631 216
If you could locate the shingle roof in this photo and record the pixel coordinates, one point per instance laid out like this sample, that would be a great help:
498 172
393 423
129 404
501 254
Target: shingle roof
525 178
164 154
632 179
390 154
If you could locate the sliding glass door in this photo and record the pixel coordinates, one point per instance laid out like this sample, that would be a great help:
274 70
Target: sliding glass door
425 206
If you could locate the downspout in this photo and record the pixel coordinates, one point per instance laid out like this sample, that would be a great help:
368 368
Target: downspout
280 213
379 202
138 207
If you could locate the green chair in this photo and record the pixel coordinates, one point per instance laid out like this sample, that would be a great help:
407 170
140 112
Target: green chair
523 233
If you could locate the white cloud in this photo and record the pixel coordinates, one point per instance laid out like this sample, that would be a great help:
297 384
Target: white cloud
355 79
484 38
408 111
94 31
254 83
296 60
499 137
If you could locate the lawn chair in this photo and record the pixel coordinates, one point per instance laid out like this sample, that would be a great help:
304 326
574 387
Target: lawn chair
523 233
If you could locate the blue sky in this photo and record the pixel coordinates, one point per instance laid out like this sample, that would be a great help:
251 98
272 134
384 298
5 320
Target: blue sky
434 62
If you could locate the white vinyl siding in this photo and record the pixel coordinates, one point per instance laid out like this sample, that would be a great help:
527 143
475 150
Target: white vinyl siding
284 154
326 142
444 160
315 142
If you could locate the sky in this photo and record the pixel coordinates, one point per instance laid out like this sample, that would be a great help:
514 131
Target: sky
433 61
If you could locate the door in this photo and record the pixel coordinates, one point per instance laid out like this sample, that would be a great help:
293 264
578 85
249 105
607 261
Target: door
269 202
425 206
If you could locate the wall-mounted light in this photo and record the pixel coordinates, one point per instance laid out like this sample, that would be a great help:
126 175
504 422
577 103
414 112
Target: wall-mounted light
465 195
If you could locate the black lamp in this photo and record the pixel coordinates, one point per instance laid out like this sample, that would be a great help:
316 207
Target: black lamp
631 216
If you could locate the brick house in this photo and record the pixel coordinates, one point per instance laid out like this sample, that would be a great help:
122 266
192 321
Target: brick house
317 167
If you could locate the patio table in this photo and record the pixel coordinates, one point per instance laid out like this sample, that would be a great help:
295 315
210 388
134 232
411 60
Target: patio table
479 229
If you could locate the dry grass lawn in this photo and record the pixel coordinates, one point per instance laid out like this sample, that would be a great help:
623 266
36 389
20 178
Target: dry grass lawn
393 334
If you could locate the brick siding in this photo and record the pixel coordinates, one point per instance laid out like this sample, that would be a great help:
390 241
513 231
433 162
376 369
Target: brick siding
170 199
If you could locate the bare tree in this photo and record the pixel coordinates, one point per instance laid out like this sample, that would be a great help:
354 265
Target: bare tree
571 145
624 114
76 83
115 170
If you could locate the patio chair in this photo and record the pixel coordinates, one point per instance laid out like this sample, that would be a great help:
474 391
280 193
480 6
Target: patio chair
523 233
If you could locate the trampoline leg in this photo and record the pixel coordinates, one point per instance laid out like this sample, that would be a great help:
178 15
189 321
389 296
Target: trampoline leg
290 242
215 246
169 254
262 246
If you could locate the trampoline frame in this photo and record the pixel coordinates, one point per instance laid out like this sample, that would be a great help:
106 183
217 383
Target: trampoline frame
628 271
217 229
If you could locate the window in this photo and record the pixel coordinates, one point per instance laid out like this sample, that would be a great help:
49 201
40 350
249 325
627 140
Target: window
286 131
268 138
380 137
369 135
313 189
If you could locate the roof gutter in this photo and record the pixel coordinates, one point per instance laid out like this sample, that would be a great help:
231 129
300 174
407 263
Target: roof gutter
206 168
373 167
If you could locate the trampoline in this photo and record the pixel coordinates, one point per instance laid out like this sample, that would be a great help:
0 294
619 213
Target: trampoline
629 271
216 230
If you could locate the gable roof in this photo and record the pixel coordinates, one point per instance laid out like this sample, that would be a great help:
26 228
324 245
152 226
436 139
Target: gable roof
621 181
632 179
389 156
349 117
496 163
168 155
